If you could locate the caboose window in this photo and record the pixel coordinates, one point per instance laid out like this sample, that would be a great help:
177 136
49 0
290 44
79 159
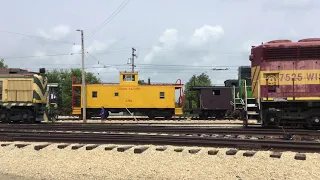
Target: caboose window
128 77
116 94
161 95
216 92
94 94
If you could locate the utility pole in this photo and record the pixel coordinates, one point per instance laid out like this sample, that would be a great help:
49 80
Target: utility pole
132 59
83 87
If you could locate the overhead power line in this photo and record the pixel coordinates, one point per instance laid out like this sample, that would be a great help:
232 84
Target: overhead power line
93 57
47 55
119 50
33 36
162 71
95 69
105 22
150 66
190 68
164 49
70 54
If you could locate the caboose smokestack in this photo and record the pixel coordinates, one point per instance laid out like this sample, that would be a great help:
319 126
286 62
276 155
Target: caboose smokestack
149 81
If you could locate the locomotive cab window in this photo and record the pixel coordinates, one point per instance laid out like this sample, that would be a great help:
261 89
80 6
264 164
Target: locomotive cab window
216 92
94 94
161 95
128 77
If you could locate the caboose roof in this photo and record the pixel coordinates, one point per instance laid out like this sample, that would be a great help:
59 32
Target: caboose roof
209 87
129 73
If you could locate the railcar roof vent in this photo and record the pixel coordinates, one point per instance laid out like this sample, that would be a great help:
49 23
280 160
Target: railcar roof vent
280 41
309 40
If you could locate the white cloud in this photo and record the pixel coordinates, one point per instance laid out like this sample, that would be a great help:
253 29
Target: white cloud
197 50
169 43
206 34
99 46
75 49
169 37
74 59
56 33
167 40
61 30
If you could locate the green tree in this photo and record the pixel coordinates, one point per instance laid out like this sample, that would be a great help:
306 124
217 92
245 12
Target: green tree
141 82
191 96
64 78
2 64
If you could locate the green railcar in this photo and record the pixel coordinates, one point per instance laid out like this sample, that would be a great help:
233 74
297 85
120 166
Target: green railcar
54 102
244 77
244 105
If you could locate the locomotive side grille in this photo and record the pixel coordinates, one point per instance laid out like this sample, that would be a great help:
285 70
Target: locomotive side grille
293 53
310 52
281 53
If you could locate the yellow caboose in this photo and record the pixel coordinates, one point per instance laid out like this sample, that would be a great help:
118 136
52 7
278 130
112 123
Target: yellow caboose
152 100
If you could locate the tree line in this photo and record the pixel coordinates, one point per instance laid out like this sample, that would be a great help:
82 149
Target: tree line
64 79
191 97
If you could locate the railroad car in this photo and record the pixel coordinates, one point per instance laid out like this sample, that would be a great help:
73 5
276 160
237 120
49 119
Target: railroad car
245 106
53 106
235 101
213 101
22 95
152 100
286 81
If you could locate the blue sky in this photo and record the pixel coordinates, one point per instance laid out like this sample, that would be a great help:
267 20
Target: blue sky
174 39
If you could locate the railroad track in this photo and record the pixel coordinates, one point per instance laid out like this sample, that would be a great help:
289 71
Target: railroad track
153 122
138 139
142 128
125 118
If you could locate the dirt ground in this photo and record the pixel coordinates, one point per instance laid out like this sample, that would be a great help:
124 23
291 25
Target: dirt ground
12 177
54 163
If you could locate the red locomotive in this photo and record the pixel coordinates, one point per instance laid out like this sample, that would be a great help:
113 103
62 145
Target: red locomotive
286 81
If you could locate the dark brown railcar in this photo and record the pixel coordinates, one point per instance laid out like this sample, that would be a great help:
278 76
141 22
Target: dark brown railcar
213 101
231 83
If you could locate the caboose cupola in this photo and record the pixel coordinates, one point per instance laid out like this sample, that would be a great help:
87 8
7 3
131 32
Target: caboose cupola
129 78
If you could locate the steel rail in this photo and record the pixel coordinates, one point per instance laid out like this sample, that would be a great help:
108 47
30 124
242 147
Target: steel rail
159 129
138 139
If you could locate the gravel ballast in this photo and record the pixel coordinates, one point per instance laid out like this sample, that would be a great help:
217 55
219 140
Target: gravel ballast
54 163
